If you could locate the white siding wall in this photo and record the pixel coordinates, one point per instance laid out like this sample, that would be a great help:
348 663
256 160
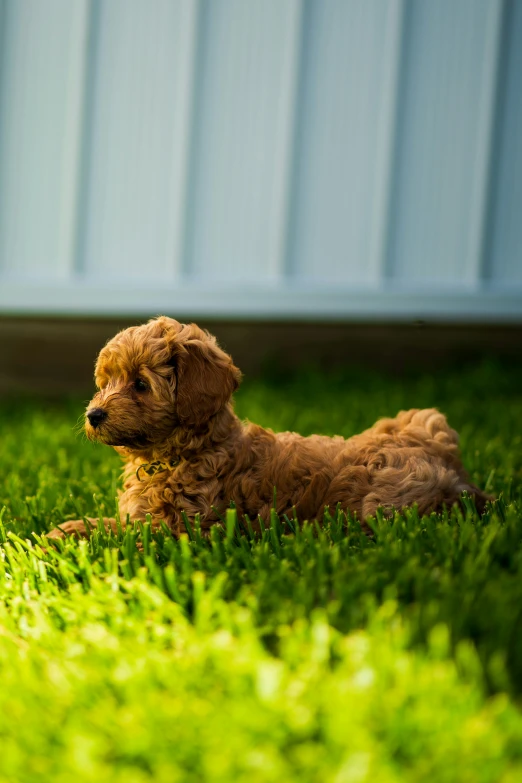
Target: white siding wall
262 158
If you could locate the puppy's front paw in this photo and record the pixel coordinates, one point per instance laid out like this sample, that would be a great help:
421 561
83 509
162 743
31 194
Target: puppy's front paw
79 529
74 528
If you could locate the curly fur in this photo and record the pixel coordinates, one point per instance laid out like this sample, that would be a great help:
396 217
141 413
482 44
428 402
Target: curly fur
185 418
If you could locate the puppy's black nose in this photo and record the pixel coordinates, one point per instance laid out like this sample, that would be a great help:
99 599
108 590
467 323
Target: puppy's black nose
96 416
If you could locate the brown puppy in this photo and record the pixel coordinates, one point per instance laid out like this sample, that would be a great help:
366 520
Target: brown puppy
164 403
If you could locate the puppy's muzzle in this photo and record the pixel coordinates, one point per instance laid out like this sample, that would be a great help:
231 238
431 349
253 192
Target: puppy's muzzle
96 416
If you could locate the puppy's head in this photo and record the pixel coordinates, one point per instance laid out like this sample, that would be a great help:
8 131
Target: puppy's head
155 378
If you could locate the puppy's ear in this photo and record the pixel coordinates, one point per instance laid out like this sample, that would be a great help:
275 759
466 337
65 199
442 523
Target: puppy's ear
206 379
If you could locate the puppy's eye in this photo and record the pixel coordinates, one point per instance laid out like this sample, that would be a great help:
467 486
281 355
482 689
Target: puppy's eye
140 385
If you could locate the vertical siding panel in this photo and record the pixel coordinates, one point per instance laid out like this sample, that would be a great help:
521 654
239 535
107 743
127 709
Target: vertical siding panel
244 117
474 268
386 142
182 141
345 140
448 81
3 36
139 138
505 264
85 138
41 99
278 251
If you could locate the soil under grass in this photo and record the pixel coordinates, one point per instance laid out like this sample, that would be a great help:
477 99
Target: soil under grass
307 653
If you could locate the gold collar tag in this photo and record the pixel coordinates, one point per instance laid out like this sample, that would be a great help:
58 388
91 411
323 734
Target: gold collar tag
151 468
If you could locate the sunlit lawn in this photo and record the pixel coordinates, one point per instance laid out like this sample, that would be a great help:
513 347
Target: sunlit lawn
307 654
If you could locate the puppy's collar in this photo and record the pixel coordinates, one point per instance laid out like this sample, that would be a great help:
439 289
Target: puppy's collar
151 468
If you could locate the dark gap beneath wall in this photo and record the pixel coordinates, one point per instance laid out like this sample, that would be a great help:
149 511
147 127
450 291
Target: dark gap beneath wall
57 355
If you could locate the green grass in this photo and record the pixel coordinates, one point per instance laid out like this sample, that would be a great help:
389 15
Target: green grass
303 654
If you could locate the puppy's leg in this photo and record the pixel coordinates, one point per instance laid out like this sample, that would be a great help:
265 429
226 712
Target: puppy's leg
430 486
78 528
